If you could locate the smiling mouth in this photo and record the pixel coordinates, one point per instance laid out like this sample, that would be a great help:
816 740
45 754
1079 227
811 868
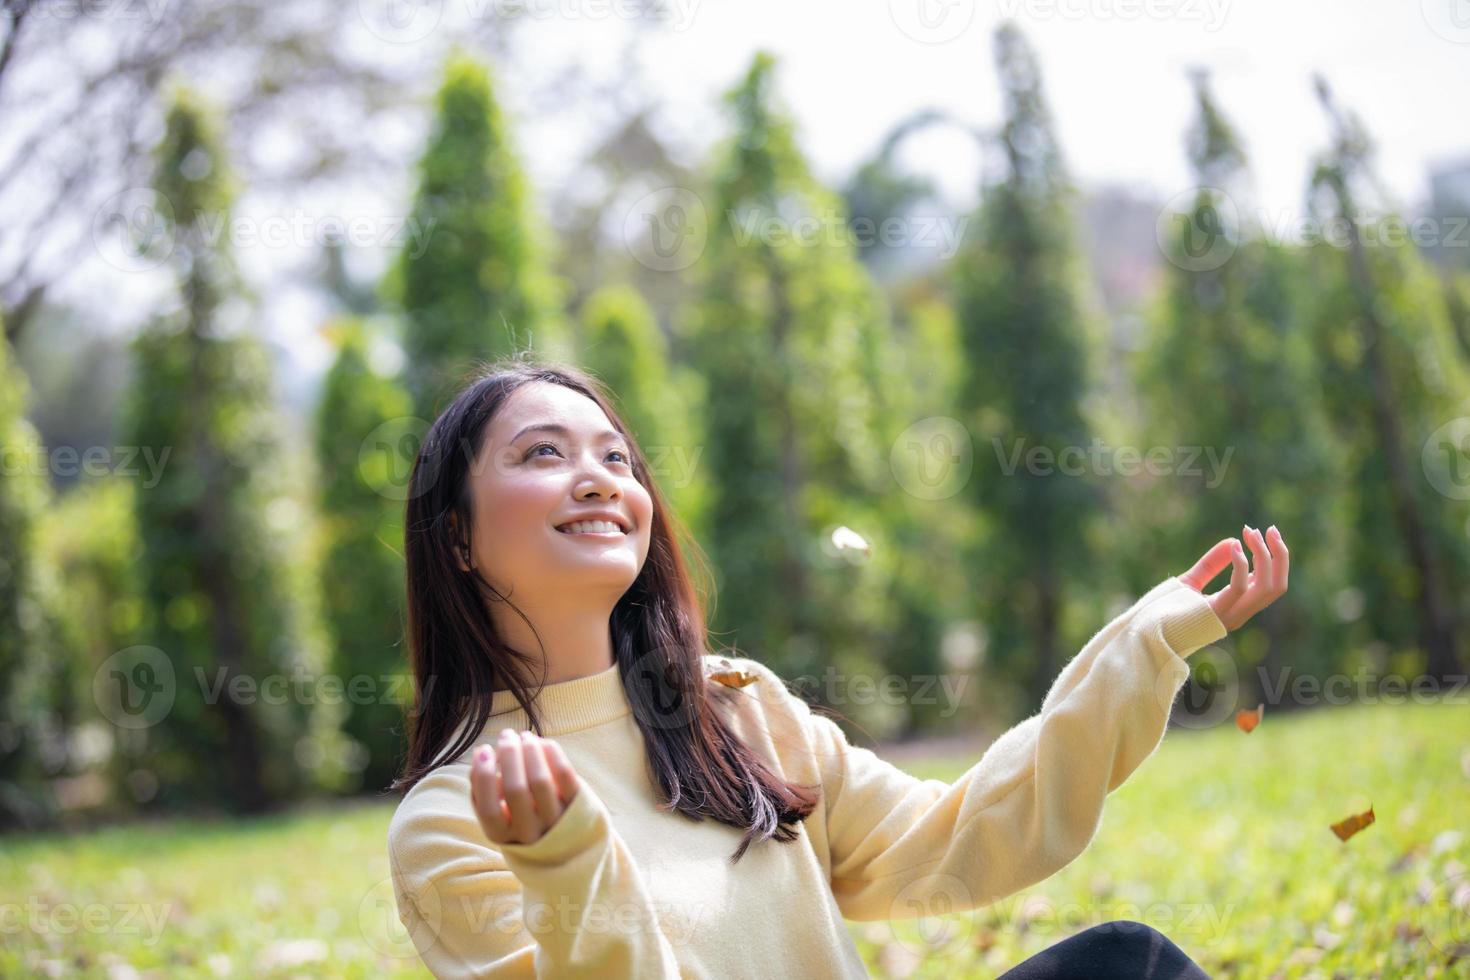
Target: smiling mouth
603 533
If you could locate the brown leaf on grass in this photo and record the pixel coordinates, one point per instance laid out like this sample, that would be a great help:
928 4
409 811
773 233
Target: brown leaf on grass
1247 721
1347 828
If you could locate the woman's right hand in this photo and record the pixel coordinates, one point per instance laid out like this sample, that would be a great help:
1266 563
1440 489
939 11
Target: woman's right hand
521 787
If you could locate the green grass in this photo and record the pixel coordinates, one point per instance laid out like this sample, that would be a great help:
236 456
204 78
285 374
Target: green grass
1220 840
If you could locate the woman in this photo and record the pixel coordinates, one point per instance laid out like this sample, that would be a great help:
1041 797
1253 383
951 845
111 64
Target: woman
584 797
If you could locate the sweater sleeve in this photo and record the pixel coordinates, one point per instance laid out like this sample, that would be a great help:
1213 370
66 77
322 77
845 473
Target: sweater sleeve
901 846
569 904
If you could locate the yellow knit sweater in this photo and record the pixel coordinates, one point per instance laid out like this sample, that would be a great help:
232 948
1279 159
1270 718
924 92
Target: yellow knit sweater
616 888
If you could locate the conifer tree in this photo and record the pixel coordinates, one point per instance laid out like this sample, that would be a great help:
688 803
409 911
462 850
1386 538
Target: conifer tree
1393 379
473 284
231 633
1028 373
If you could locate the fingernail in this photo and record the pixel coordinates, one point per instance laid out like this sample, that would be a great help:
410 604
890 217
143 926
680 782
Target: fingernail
1273 528
507 733
482 753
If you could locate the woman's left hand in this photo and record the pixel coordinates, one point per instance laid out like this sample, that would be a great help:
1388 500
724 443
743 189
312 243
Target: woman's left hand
1248 591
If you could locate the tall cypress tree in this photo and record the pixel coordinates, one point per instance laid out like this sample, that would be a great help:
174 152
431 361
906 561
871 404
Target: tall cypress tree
228 608
622 344
1393 377
364 445
1228 370
784 338
1028 371
24 643
474 286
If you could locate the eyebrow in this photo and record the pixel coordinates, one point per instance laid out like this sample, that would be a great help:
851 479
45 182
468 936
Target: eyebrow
605 435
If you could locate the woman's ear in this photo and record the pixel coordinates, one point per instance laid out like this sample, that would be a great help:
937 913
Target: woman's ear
462 554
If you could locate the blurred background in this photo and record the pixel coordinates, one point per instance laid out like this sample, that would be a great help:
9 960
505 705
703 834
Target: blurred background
948 330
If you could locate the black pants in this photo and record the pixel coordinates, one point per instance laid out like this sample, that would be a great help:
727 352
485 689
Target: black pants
1118 950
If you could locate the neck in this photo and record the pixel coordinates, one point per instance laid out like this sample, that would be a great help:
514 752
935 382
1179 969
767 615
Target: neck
577 641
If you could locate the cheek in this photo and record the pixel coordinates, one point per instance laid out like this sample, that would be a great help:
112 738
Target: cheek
514 514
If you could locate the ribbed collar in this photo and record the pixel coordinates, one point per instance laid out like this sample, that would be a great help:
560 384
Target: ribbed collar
566 706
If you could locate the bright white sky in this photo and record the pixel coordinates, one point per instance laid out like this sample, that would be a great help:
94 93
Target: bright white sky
1115 78
1114 71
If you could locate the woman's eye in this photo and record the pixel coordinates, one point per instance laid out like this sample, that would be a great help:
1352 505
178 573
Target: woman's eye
623 457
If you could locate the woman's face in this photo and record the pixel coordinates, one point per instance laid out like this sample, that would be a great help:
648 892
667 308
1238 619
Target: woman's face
528 480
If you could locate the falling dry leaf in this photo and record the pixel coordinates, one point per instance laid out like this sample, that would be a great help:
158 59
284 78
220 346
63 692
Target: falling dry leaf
730 675
1246 721
1346 828
845 538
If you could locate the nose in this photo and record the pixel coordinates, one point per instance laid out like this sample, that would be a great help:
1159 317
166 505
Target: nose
596 481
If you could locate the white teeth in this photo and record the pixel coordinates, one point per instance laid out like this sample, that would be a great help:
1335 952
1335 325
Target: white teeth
580 526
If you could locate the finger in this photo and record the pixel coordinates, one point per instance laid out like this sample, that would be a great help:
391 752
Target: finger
1258 594
485 794
538 776
1212 563
524 822
1283 557
561 769
1230 596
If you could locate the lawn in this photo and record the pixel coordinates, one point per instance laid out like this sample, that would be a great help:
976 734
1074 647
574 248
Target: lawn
1221 840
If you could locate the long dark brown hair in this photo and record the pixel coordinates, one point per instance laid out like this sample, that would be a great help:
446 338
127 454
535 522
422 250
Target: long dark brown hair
701 766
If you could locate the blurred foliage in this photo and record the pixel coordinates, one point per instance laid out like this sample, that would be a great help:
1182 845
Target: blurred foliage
1029 362
27 653
788 336
622 343
1228 371
779 393
365 445
476 288
226 571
